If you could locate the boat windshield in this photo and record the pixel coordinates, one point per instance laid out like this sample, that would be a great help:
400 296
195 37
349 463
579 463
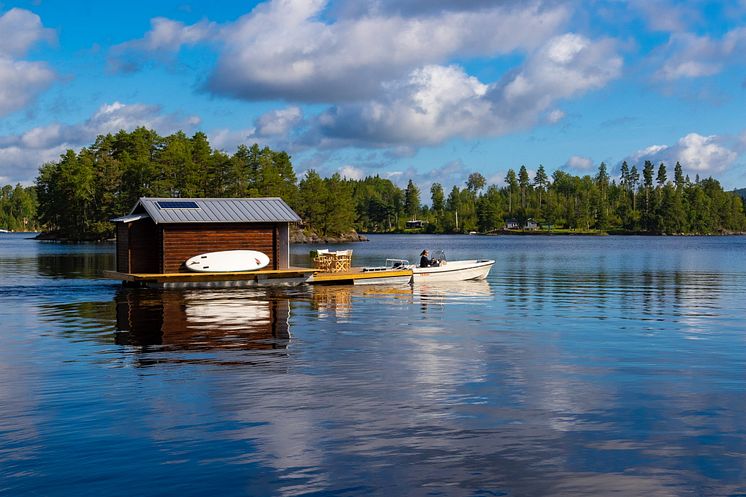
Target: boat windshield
439 256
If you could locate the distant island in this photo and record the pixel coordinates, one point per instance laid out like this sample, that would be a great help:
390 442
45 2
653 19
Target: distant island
74 198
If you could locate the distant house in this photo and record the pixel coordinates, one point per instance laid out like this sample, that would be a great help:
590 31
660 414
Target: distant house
532 225
159 234
512 224
415 224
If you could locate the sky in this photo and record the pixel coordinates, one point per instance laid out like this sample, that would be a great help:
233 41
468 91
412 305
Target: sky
428 90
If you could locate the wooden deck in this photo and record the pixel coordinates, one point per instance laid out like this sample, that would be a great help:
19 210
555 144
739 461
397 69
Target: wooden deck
290 276
356 276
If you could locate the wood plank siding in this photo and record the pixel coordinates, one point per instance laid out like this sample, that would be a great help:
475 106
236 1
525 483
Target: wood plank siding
144 247
123 254
182 241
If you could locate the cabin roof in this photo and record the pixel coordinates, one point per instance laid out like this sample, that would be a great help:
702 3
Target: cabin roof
212 210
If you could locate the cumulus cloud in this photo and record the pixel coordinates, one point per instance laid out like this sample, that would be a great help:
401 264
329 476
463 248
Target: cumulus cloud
352 172
435 103
21 81
697 154
665 15
273 128
688 55
165 38
21 30
21 155
284 50
578 162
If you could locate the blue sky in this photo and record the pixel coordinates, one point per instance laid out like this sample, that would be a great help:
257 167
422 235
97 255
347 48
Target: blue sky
425 89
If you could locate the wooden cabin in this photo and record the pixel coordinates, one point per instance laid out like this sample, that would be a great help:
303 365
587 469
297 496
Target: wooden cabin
160 234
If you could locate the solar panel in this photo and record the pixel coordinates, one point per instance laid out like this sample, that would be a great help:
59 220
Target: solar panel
175 204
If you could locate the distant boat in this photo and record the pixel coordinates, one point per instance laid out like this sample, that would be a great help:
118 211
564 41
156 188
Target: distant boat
4 231
228 261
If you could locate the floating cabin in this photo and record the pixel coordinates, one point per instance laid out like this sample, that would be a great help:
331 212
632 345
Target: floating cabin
160 234
157 237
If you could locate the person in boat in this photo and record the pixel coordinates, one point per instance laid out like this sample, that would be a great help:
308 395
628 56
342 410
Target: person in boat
426 261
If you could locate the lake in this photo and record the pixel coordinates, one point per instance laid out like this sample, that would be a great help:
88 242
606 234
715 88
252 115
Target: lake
582 366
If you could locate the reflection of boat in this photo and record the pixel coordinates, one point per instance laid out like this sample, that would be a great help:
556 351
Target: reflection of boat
453 289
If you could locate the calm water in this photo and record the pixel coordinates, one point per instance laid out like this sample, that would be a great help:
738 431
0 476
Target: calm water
582 366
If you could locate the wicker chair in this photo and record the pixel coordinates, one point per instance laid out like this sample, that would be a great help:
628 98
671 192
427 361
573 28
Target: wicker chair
343 261
324 260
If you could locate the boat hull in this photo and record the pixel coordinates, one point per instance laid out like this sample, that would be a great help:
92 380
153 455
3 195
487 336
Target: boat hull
454 271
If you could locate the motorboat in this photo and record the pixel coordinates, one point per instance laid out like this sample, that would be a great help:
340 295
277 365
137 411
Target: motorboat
476 269
445 270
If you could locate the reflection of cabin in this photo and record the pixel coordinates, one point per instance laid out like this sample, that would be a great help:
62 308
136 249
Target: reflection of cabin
415 223
512 224
532 225
202 320
160 234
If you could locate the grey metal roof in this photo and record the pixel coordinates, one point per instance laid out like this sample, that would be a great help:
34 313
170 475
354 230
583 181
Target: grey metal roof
219 210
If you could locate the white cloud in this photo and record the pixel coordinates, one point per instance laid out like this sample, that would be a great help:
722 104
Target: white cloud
21 81
555 116
165 38
21 155
21 30
279 122
579 163
696 153
690 56
432 105
284 50
272 128
352 172
436 103
665 15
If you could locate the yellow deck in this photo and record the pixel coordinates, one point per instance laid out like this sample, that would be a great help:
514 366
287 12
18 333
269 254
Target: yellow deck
308 275
358 274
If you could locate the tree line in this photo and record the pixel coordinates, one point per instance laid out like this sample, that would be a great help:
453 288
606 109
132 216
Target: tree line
18 207
647 201
79 193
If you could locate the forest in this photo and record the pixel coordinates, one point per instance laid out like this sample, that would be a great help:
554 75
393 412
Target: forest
75 197
18 208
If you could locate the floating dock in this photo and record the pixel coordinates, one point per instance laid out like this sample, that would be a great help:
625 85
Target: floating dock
264 277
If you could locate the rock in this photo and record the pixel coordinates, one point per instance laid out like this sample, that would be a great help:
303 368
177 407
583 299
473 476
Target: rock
308 235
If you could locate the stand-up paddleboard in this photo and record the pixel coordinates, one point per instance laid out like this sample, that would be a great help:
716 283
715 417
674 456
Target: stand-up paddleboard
227 261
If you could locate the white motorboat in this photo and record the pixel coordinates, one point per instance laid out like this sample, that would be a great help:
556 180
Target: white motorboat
477 269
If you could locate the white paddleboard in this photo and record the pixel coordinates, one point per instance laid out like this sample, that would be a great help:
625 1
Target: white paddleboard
228 261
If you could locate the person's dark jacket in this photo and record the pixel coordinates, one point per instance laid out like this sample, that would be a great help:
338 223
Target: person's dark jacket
424 261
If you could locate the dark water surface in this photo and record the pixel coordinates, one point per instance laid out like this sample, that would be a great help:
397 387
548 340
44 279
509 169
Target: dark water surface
582 366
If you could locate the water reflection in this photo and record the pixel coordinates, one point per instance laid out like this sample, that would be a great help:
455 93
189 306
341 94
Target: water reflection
202 320
85 265
337 300
577 369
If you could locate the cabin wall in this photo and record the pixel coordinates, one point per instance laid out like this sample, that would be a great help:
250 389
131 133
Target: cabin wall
182 241
283 246
144 247
123 254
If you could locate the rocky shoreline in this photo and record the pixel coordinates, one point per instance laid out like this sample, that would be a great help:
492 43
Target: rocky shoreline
306 236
